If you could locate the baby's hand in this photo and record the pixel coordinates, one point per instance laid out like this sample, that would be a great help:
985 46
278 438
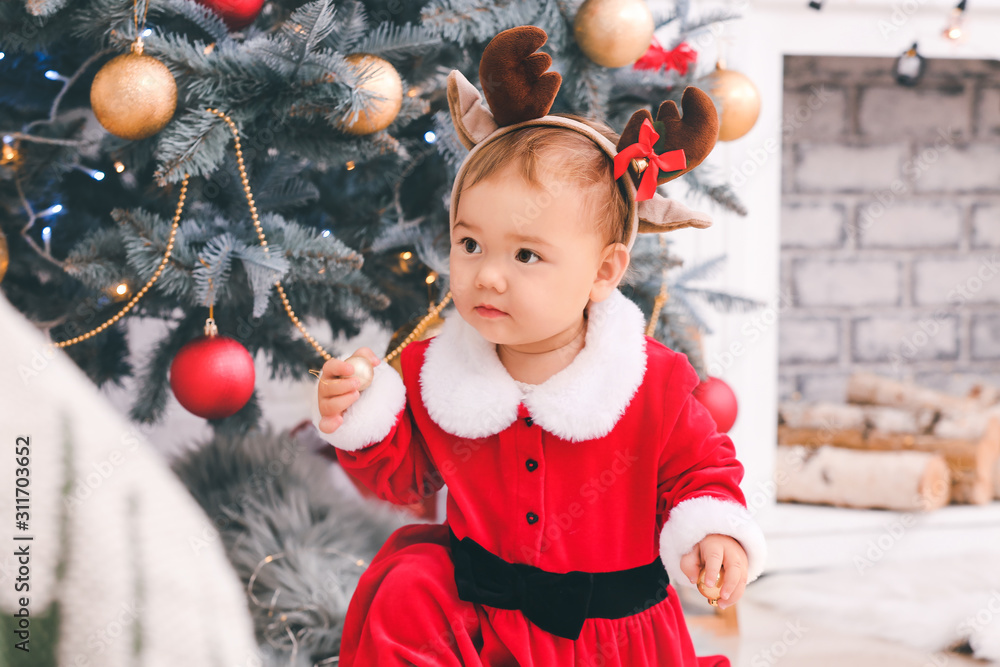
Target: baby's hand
711 553
338 390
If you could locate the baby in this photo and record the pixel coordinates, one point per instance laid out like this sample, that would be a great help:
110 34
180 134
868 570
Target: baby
584 479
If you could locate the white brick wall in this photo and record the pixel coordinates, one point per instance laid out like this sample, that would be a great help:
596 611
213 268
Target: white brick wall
957 168
836 167
986 225
910 225
809 340
890 224
846 282
957 281
881 111
901 340
812 225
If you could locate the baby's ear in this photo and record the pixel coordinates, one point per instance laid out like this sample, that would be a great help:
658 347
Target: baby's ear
660 214
473 121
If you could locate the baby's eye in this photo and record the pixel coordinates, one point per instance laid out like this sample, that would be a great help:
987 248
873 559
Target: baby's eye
524 252
466 241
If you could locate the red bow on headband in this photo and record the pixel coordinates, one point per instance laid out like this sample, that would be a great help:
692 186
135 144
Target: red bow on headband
669 161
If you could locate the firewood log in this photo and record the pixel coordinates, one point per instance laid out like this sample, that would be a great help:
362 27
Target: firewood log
894 480
972 463
869 388
803 414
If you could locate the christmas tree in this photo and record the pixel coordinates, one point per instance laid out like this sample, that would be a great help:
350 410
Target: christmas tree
346 149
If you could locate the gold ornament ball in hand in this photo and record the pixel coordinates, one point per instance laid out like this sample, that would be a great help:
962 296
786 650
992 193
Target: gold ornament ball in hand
362 370
134 95
713 593
382 79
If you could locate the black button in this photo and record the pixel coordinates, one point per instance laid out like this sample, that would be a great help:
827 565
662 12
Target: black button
532 517
531 464
529 421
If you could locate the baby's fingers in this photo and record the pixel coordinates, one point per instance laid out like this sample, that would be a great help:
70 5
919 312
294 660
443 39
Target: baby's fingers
338 387
335 405
334 369
691 565
734 581
330 424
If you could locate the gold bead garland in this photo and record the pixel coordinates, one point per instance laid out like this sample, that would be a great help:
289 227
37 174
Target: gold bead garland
263 242
145 288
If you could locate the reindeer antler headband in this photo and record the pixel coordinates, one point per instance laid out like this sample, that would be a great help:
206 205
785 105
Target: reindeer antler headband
520 92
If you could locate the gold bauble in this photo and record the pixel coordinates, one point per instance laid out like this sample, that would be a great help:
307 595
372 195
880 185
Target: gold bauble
134 95
4 256
712 592
740 102
614 33
363 370
432 329
384 81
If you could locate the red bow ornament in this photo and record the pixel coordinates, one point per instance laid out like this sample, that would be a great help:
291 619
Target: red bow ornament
669 161
657 58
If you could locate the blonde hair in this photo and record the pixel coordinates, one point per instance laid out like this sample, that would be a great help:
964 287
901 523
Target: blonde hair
578 160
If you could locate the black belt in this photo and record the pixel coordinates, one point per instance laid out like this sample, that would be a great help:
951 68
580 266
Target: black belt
556 602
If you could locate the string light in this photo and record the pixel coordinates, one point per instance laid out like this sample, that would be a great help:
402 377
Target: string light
431 277
406 255
95 174
325 233
50 210
413 92
119 167
430 137
46 234
147 32
53 75
350 165
2 55
121 289
954 29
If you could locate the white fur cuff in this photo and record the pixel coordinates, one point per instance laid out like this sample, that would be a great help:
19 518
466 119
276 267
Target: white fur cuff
691 520
369 419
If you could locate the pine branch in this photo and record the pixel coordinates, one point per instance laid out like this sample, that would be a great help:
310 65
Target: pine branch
263 269
721 300
194 144
212 274
722 194
465 21
705 269
391 41
349 30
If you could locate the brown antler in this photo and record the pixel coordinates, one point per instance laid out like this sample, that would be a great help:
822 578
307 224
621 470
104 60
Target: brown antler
696 132
514 78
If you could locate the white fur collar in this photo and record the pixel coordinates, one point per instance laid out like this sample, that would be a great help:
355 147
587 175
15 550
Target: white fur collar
469 393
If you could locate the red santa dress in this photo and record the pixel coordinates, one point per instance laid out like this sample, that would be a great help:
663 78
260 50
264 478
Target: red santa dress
607 465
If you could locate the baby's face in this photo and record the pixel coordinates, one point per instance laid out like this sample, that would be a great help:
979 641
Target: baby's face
531 253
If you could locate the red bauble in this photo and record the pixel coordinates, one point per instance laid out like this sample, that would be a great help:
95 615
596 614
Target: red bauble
720 400
237 14
212 376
